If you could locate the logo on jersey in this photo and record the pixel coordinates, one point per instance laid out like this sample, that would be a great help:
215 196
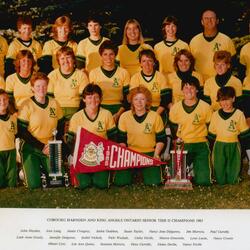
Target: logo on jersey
100 126
73 83
92 154
148 128
52 112
232 126
174 51
115 83
196 119
217 47
12 127
155 87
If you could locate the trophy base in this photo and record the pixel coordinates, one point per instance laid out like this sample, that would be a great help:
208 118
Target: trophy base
55 181
183 184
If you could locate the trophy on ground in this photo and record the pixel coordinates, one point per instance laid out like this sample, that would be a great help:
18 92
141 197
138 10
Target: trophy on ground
177 173
56 177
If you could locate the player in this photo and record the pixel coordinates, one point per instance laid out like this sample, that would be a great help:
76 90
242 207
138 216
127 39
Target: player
245 58
224 77
3 51
23 42
184 69
192 116
132 44
142 130
8 127
18 84
60 37
153 80
205 44
67 83
166 50
98 121
87 53
226 125
37 119
112 79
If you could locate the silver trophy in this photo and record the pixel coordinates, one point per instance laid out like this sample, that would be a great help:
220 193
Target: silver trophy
56 177
178 174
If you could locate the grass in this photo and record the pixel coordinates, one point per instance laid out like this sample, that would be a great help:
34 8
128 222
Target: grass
134 196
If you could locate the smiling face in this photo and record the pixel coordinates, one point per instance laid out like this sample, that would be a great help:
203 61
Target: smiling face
190 92
221 67
4 103
139 102
62 33
92 102
147 65
133 33
183 63
170 31
40 89
227 104
108 58
66 63
25 32
25 64
209 20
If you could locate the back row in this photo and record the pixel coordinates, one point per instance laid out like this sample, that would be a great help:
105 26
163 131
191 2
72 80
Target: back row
202 46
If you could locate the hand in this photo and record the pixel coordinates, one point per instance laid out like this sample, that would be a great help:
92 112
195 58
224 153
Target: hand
46 149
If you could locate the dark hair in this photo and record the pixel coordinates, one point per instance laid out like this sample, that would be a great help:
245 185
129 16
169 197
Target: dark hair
147 52
168 20
91 89
94 19
108 45
187 54
225 93
23 20
192 81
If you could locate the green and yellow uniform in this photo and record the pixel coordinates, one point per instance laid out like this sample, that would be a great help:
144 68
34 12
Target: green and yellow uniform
245 57
103 125
174 82
36 123
165 53
128 56
3 52
18 88
67 89
8 168
203 52
141 134
15 46
192 129
225 129
156 84
48 60
211 87
88 53
114 85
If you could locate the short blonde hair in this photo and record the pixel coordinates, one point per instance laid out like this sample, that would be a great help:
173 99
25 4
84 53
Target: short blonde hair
125 38
60 21
140 90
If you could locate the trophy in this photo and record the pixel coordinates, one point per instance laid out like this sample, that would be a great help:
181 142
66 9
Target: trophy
178 176
56 177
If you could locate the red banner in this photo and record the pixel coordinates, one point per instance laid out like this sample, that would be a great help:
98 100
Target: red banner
93 153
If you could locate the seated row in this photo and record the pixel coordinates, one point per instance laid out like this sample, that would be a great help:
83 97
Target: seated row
202 46
140 128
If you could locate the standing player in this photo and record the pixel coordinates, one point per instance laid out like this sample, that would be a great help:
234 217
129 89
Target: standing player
23 42
192 116
224 77
184 69
67 83
87 53
226 125
166 50
112 79
153 80
37 119
8 127
132 44
142 130
61 30
18 84
3 53
204 45
98 121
